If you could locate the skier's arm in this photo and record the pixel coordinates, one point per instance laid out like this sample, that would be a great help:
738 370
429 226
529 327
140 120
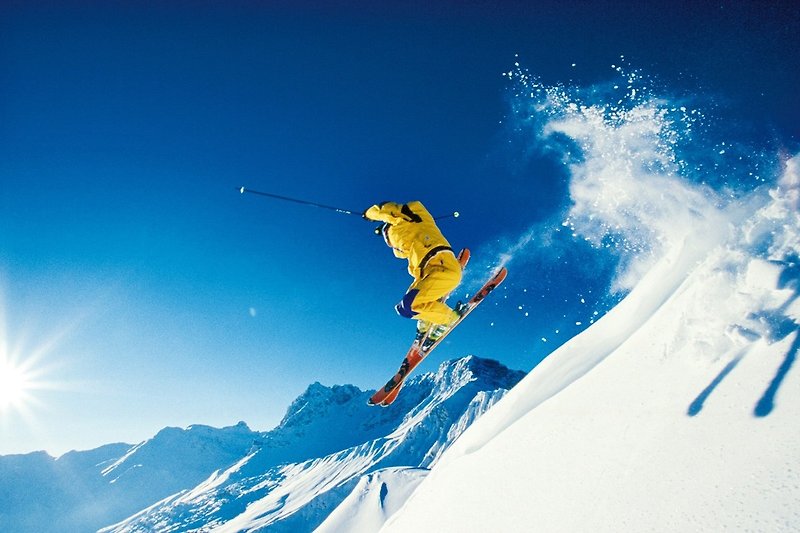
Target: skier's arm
390 212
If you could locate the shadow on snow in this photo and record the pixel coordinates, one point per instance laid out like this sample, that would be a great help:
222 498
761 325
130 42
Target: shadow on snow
780 325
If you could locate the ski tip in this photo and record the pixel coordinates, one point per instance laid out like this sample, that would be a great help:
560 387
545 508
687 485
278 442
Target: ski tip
501 274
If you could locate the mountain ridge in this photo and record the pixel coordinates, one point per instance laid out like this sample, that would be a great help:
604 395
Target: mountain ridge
328 436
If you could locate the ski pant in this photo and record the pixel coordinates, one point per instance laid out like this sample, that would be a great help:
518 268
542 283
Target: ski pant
440 276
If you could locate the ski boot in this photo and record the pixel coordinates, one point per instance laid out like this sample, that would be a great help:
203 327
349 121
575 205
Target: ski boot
435 332
423 327
460 308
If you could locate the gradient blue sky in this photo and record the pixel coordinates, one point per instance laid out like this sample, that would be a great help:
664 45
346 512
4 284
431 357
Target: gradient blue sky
140 290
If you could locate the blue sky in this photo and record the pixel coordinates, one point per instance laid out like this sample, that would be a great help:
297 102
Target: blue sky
139 289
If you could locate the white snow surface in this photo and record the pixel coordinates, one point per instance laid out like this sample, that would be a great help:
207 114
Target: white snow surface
376 497
677 411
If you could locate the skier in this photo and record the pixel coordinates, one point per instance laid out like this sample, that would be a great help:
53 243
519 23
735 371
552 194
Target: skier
409 229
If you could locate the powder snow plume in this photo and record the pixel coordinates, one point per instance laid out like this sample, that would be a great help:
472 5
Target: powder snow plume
643 171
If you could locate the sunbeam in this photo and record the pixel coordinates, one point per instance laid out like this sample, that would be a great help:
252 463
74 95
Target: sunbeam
15 385
26 371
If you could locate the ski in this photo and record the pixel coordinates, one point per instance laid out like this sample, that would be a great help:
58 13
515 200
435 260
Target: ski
421 348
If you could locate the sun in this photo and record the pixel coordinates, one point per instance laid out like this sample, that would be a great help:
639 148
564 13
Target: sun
14 385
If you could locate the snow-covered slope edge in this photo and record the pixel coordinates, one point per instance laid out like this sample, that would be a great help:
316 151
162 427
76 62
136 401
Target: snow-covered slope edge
675 412
376 498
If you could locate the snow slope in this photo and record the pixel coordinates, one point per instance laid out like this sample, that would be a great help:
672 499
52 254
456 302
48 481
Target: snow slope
376 497
678 410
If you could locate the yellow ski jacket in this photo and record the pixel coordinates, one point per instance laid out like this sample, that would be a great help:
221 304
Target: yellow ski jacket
412 233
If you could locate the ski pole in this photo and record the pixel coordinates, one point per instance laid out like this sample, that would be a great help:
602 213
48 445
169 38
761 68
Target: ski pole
243 190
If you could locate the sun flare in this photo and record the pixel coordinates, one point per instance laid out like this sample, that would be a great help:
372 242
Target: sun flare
26 372
14 385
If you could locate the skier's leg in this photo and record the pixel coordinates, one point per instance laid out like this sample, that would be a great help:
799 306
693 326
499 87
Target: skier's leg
442 275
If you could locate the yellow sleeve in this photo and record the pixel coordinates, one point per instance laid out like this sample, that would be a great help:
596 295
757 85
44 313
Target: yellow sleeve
387 212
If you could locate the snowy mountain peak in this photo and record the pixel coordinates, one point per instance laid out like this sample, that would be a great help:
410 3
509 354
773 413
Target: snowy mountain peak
305 467
315 401
455 384
289 478
199 432
472 368
189 450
